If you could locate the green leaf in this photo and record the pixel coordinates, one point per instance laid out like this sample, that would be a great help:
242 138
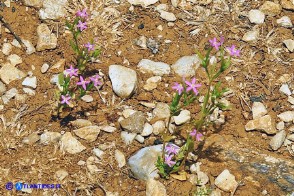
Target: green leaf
61 79
69 26
73 46
96 53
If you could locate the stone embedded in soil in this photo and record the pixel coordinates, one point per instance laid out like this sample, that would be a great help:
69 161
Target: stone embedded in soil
61 174
30 82
46 39
30 49
128 112
71 144
186 66
226 181
168 16
285 21
289 44
6 48
271 8
45 68
287 4
142 163
162 6
123 80
158 127
280 125
58 66
2 88
50 137
53 9
79 123
147 130
89 133
183 117
87 98
151 83
134 123
108 129
140 139
153 45
290 99
9 73
9 95
14 59
143 3
141 41
120 158
155 188
256 16
98 153
251 36
175 3
15 43
34 3
161 111
287 116
277 141
264 124
31 139
258 110
285 89
91 165
155 68
291 137
127 138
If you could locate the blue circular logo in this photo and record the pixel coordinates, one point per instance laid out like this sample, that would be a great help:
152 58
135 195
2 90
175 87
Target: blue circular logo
18 186
9 186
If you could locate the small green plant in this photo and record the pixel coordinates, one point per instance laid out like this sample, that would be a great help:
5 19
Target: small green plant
202 191
174 157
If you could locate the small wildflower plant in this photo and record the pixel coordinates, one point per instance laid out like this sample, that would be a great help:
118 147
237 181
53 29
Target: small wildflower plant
72 79
174 157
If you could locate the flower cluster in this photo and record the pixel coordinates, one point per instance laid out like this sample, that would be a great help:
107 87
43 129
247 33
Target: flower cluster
170 151
82 15
232 50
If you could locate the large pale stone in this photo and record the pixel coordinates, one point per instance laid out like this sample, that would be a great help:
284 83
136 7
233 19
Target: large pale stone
14 59
168 16
256 16
155 188
186 66
258 110
287 4
161 111
134 123
183 117
120 158
277 141
53 9
287 116
46 39
71 144
264 124
34 3
9 73
226 181
89 133
156 68
289 44
270 8
143 3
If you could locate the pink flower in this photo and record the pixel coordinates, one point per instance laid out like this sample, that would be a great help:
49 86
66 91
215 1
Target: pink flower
82 25
197 135
83 13
168 160
90 46
178 87
65 99
172 149
83 83
213 42
233 51
193 86
95 80
72 71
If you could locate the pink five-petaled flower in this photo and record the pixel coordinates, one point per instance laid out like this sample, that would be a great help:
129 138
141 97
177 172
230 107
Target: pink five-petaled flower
82 25
214 43
193 86
90 46
83 13
168 160
72 71
197 135
65 99
172 149
233 51
95 80
178 87
83 83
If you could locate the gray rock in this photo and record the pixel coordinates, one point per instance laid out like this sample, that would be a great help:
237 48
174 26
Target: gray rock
158 127
89 133
91 165
168 16
134 123
141 41
99 153
161 111
127 138
280 125
142 163
30 82
14 59
153 45
161 7
71 144
285 89
46 39
120 158
147 130
287 116
34 3
290 99
30 49
79 123
53 9
226 181
277 141
151 83
155 68
108 129
251 36
140 139
183 117
123 79
128 112
186 66
285 21
31 139
264 124
6 48
287 4
258 110
15 43
289 44
45 68
271 8
256 16
61 174
50 137
143 3
9 73
155 188
9 95
87 98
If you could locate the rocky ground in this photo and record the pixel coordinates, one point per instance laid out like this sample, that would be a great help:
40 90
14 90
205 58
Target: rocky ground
108 144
